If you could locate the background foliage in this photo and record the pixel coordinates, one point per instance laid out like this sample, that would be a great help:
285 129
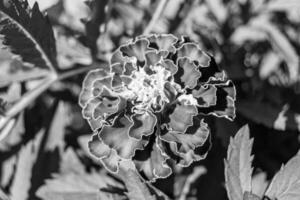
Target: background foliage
44 138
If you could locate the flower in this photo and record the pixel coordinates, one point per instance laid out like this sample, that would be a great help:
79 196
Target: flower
150 106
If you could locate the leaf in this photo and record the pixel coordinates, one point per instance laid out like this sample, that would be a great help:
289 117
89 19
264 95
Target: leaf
43 4
280 44
218 9
286 183
74 183
8 170
282 5
238 168
259 184
270 63
28 33
27 157
57 128
71 51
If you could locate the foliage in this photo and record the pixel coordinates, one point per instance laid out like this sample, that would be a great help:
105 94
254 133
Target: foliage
57 52
24 27
238 172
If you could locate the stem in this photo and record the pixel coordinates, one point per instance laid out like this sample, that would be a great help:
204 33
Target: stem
197 172
78 70
136 183
137 190
162 4
30 96
26 100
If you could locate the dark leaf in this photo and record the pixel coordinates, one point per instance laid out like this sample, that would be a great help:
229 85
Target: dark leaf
28 33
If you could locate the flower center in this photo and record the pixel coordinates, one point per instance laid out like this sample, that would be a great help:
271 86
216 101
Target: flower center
148 90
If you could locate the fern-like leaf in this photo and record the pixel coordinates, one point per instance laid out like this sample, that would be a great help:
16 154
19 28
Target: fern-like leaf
27 33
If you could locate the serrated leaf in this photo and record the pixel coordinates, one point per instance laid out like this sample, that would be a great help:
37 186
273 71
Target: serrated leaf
28 33
43 4
74 183
238 168
286 183
27 157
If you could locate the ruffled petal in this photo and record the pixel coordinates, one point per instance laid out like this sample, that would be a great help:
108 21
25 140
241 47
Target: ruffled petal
117 58
187 73
107 106
99 107
170 92
104 153
182 117
185 148
129 68
117 137
224 106
87 85
136 49
117 68
143 125
193 137
153 57
206 95
99 84
163 42
193 52
211 74
97 148
111 162
186 159
169 65
152 162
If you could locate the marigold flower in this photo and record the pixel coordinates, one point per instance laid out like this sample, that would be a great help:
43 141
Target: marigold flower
150 106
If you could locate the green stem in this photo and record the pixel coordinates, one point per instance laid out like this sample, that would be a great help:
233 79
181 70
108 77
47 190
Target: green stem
158 11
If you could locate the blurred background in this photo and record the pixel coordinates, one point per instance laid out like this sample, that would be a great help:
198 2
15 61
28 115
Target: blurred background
257 42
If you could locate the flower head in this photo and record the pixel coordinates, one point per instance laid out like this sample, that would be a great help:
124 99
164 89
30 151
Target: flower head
150 106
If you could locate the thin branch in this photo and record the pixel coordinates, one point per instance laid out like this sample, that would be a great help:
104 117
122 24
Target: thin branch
22 77
159 9
30 96
25 101
197 172
78 69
